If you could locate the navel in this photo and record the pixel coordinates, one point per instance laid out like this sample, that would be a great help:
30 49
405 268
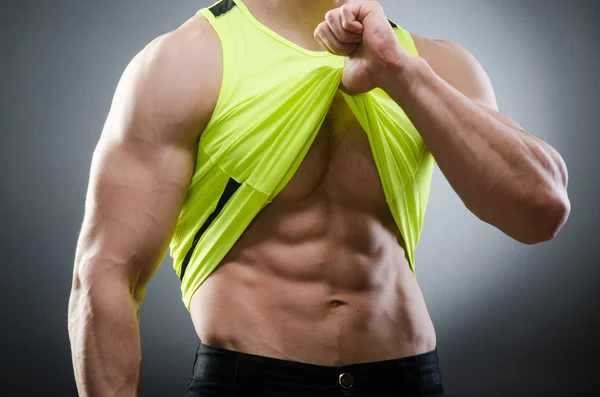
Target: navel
336 303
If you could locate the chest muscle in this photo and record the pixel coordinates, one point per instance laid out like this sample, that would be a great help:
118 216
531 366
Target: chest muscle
340 163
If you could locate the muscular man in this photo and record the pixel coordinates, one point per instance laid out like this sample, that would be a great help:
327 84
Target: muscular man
287 158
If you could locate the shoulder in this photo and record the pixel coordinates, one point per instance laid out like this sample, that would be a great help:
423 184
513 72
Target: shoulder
190 51
457 66
444 54
196 35
176 76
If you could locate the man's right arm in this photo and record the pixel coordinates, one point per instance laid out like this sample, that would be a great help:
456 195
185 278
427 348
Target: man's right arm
139 176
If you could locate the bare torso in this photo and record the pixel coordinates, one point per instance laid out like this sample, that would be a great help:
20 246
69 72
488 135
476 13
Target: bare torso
319 275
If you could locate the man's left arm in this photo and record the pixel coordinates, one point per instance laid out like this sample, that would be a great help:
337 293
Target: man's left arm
504 175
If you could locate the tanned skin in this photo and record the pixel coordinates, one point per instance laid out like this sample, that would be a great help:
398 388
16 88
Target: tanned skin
319 276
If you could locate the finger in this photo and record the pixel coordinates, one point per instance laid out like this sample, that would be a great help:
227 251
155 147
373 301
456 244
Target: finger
334 20
317 35
318 38
349 21
327 39
360 9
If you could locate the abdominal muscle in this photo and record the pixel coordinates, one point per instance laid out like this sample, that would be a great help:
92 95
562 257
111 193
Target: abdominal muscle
319 275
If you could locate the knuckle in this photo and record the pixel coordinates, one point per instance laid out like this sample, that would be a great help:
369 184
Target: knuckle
376 4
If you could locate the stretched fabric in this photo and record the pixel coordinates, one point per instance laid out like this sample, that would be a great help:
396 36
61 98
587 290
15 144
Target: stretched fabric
274 98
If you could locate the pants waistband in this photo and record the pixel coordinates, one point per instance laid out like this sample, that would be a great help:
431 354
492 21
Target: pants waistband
227 366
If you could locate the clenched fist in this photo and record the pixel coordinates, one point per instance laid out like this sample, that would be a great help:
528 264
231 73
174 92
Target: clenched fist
360 31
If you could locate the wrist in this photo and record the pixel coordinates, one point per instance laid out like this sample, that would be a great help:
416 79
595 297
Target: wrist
400 73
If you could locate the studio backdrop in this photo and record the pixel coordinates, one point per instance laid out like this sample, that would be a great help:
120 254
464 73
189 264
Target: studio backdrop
511 320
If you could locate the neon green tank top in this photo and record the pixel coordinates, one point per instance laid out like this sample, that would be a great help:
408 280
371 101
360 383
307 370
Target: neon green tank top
273 99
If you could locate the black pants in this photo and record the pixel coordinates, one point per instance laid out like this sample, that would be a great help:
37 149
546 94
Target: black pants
225 373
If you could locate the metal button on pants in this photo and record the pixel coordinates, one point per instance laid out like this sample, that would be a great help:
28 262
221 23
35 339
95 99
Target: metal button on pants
346 381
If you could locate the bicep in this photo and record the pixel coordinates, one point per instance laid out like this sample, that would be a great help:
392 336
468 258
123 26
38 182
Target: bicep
465 73
142 166
459 68
133 199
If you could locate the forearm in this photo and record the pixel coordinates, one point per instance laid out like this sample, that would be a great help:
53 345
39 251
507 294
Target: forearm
105 339
504 175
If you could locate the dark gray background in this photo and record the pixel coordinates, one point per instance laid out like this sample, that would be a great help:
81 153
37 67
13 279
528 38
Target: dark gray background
511 320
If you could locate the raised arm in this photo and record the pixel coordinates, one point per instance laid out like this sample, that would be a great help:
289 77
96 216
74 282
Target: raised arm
506 176
139 176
